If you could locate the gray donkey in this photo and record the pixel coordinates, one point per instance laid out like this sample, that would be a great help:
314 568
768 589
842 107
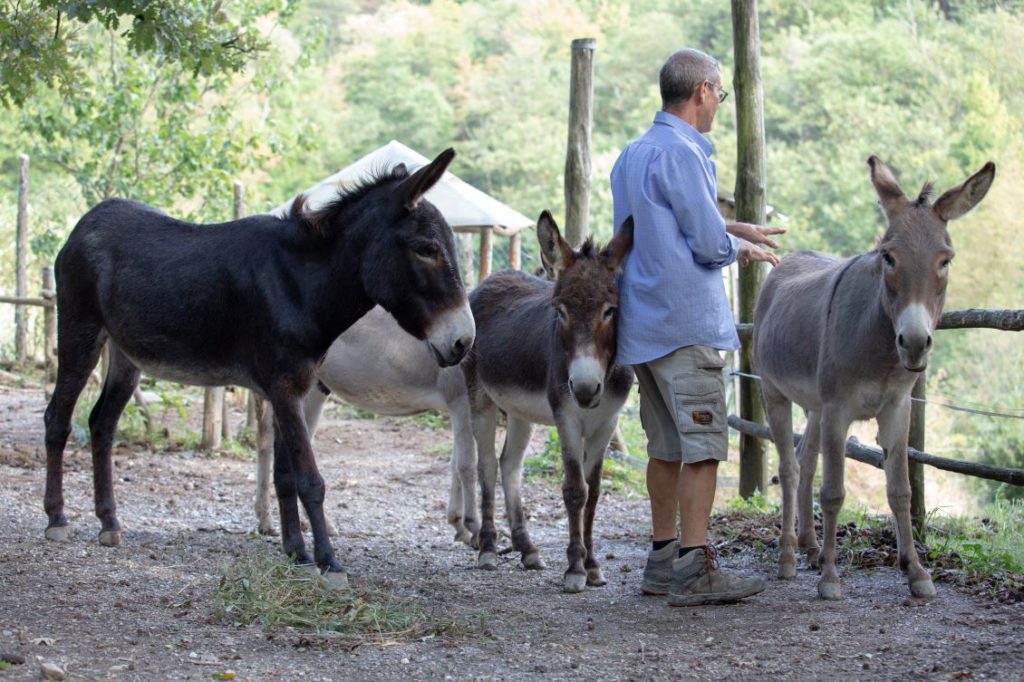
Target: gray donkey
377 367
545 354
846 340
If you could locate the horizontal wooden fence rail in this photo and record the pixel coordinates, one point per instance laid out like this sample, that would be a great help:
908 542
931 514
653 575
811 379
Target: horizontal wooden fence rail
41 302
873 456
1005 320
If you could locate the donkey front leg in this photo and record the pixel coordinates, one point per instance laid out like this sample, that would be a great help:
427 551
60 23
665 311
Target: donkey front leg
779 411
593 462
893 427
264 457
462 511
296 474
834 425
516 440
574 494
484 427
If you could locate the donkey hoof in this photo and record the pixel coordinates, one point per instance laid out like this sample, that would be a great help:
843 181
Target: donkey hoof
58 533
267 529
830 591
533 562
110 538
487 561
922 588
464 536
813 557
787 570
574 582
595 578
336 580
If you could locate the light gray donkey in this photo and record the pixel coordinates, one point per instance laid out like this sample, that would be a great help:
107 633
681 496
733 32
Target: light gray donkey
846 340
378 367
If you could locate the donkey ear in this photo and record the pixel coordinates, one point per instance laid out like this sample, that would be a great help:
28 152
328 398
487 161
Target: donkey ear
965 196
400 171
419 183
886 187
617 248
553 249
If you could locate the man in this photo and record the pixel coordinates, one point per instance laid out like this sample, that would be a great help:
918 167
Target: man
674 319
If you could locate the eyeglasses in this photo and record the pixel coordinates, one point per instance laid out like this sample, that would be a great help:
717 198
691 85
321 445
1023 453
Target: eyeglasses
722 94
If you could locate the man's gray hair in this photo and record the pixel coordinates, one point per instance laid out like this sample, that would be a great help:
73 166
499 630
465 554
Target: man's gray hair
683 72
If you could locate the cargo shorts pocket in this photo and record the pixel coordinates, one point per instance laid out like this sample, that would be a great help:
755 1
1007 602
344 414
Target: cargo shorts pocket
699 403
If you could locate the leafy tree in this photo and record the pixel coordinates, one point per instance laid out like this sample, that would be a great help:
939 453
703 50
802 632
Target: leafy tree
38 37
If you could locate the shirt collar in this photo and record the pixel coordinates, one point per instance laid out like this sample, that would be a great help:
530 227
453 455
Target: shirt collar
685 129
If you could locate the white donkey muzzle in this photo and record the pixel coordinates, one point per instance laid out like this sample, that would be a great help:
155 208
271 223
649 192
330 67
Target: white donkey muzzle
914 337
452 334
586 380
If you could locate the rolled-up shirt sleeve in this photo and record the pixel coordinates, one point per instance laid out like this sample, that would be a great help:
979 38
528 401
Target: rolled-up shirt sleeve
689 188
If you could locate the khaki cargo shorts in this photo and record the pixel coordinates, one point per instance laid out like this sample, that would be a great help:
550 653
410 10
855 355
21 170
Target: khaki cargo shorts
682 405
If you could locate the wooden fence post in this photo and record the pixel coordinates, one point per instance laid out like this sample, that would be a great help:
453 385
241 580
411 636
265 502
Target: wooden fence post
750 207
577 158
50 324
486 252
916 469
515 251
466 251
21 246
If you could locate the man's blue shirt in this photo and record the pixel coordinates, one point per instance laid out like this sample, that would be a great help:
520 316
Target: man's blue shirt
671 293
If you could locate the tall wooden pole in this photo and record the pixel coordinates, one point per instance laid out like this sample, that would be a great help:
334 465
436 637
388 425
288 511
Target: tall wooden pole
750 207
577 158
50 324
916 441
21 246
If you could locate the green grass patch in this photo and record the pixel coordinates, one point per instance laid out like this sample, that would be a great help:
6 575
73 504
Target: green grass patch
275 594
620 473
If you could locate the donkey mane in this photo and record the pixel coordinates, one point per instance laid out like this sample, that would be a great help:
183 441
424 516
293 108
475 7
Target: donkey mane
317 223
924 195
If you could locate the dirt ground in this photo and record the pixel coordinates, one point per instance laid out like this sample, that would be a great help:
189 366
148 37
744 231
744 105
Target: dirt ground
142 611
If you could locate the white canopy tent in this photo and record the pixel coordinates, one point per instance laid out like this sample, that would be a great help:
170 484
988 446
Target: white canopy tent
467 209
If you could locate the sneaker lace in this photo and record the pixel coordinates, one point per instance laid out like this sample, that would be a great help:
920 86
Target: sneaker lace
711 561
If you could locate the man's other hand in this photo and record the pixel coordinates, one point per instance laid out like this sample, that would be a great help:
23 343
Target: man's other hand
749 253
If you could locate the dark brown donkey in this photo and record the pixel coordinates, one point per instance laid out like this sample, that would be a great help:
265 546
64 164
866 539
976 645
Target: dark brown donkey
254 302
845 340
545 354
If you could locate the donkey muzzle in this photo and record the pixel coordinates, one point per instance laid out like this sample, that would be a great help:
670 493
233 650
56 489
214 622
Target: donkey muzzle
914 337
586 381
452 335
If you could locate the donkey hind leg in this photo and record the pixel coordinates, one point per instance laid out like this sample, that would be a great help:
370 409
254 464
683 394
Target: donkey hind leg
574 494
516 440
484 427
893 425
462 510
593 462
79 350
118 387
807 457
834 425
264 457
779 412
295 473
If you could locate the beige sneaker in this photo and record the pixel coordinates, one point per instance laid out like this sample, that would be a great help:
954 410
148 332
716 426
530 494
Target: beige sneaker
697 580
658 571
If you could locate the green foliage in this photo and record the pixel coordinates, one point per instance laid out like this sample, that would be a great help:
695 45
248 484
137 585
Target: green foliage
38 38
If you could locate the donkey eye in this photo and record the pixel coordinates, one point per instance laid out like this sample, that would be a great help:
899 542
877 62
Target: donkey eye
428 253
563 316
944 265
889 260
610 313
